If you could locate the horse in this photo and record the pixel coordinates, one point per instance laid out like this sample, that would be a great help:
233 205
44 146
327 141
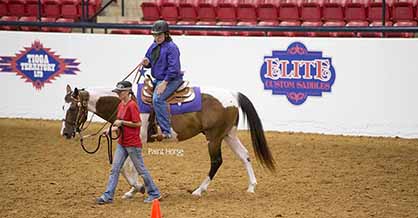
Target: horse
217 120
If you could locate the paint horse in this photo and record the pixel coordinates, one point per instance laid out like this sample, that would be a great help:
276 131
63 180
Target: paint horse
217 120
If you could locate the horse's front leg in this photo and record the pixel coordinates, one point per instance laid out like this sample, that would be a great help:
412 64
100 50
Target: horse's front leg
131 175
215 163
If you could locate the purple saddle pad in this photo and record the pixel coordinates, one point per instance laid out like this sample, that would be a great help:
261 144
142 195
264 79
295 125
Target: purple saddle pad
192 106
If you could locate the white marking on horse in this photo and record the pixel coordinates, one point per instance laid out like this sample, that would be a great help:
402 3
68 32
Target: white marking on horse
226 97
202 188
174 134
144 126
62 128
242 153
65 108
96 94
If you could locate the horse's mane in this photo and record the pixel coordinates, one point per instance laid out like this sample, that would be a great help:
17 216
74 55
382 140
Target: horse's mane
100 91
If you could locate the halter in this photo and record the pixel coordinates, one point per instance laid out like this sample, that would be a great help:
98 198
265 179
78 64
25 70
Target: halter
82 112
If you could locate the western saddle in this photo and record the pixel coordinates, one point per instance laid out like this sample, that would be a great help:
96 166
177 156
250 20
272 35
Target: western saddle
183 94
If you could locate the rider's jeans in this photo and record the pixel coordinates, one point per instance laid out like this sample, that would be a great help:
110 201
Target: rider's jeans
160 104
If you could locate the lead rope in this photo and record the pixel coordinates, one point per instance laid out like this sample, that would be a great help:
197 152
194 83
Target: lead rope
108 139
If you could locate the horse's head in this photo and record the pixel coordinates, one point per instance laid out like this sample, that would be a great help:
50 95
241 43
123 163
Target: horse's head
75 112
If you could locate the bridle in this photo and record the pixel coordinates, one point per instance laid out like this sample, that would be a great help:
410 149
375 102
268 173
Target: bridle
81 118
82 113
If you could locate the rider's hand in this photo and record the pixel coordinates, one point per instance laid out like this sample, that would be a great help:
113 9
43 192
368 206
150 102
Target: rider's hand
118 123
105 132
161 87
145 62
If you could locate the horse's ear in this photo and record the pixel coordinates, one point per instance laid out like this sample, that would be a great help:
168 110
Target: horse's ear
75 93
68 89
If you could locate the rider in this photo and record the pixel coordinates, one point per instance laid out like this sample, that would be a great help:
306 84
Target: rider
163 57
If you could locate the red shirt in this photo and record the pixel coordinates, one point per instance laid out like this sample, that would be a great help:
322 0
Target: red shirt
130 135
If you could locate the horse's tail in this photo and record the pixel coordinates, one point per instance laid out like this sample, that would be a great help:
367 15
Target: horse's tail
258 138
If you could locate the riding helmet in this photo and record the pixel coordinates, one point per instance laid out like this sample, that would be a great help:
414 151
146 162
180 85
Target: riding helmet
160 26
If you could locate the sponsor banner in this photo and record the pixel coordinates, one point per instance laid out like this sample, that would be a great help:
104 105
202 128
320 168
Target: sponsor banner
297 73
38 65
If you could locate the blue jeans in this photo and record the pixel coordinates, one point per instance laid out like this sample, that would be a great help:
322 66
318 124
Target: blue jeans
135 154
160 104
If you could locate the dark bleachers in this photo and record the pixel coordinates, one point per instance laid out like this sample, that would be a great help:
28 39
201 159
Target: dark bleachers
226 10
289 10
309 24
34 19
333 10
69 8
206 10
310 10
49 8
151 10
8 18
403 10
3 7
356 10
284 13
374 10
188 10
246 11
32 8
29 28
16 8
243 13
169 10
267 10
249 33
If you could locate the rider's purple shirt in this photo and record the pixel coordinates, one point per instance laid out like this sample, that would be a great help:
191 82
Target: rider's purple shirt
167 67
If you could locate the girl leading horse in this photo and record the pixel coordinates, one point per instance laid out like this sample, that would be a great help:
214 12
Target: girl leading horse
217 120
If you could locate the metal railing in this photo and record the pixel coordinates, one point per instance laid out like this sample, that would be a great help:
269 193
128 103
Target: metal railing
107 26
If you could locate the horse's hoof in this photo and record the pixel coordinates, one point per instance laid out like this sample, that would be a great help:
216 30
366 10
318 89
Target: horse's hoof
251 189
197 193
127 196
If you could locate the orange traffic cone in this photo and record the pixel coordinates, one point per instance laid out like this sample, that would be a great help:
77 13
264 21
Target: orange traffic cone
155 211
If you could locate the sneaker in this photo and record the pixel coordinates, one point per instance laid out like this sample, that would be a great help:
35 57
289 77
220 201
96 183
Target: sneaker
102 201
150 199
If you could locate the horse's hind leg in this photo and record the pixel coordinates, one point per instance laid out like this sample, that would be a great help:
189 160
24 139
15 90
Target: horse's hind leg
131 175
238 148
215 162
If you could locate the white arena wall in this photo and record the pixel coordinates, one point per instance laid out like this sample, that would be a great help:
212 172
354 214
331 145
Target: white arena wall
374 92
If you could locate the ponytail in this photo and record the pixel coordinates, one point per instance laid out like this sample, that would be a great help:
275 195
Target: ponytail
133 97
168 37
